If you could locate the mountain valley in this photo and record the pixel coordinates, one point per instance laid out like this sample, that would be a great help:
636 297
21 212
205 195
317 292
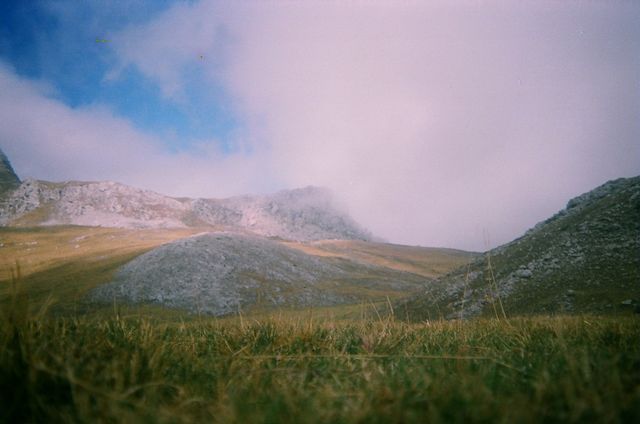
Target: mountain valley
103 242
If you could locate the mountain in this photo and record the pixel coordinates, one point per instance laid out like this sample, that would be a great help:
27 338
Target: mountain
300 248
9 181
292 249
303 214
220 273
586 258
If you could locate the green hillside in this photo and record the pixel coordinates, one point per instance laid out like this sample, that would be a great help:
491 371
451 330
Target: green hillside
586 258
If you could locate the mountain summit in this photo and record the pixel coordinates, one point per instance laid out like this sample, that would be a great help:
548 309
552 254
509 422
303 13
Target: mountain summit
8 179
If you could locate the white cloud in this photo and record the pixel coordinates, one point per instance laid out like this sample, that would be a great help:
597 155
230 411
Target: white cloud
434 121
47 139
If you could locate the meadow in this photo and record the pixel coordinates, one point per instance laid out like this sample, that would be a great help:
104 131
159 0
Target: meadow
65 360
296 369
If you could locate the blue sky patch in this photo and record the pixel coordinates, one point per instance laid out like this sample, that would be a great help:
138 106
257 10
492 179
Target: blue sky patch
67 44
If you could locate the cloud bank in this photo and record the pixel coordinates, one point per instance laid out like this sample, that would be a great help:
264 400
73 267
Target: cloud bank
435 122
46 139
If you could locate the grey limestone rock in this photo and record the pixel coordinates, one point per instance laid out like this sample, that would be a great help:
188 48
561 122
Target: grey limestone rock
220 273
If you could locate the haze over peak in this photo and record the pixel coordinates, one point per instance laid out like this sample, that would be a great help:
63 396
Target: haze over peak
437 121
309 213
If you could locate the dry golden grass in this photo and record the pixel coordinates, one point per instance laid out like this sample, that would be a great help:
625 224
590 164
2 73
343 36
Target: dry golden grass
297 370
39 249
426 261
59 265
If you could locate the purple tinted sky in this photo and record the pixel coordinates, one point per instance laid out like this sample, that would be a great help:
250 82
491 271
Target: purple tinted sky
435 122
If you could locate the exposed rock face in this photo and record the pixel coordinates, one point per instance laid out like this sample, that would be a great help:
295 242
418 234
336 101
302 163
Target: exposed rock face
301 214
8 179
586 258
218 273
104 204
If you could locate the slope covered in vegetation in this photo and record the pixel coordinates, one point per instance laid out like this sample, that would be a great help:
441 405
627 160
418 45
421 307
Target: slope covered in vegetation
82 369
586 258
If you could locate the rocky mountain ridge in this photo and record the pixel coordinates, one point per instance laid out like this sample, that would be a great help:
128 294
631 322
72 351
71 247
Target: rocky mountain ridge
304 214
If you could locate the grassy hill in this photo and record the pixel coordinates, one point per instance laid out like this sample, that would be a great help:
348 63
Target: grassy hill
222 273
62 264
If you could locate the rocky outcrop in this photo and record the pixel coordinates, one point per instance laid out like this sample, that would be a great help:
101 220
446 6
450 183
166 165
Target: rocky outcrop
104 204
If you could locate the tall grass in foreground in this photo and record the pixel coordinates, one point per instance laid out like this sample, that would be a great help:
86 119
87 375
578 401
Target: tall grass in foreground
282 370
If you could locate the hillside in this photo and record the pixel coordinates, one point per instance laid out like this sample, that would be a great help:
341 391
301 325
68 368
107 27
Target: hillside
105 204
429 262
292 249
62 264
220 273
586 258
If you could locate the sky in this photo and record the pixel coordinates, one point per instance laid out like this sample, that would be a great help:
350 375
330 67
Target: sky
437 123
